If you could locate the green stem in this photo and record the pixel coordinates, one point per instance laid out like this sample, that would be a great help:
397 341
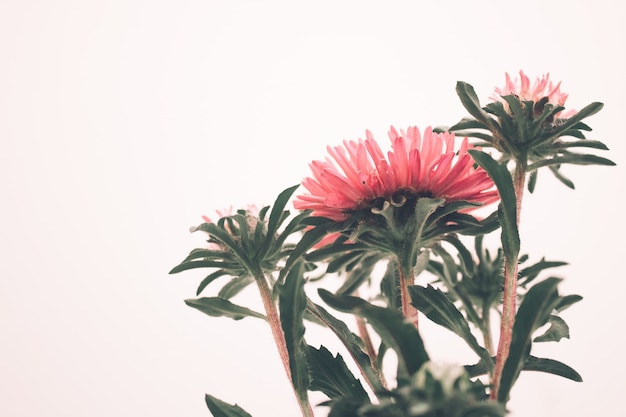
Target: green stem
406 279
509 299
279 337
486 319
369 348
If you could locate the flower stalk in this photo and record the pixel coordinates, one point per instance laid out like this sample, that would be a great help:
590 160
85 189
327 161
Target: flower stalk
273 320
509 297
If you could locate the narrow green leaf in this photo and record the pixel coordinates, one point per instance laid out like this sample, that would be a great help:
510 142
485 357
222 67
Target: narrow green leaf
593 144
566 301
223 236
559 176
532 363
507 210
202 264
552 366
466 123
400 335
276 215
221 409
292 303
210 278
330 375
470 101
576 159
235 286
533 313
308 240
532 181
528 274
585 112
438 308
219 307
558 330
352 344
204 254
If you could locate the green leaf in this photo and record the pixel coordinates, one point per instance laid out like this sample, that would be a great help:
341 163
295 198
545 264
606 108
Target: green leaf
438 308
585 112
574 158
276 215
202 264
532 181
507 211
400 335
308 240
330 375
221 409
552 366
423 210
566 301
220 307
352 344
532 363
593 144
528 274
558 330
292 303
470 101
235 286
210 278
465 123
533 313
559 176
224 236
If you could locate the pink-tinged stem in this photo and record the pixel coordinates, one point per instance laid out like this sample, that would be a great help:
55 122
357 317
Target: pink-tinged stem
279 337
408 311
509 299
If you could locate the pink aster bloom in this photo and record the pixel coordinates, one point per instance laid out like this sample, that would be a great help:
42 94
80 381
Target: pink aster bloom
416 166
540 88
252 212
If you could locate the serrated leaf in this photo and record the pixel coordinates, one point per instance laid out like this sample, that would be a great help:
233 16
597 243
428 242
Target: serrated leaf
533 313
220 408
400 335
292 303
330 375
438 308
352 344
558 330
220 307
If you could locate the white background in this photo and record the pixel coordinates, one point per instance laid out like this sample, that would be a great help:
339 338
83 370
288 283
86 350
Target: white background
122 122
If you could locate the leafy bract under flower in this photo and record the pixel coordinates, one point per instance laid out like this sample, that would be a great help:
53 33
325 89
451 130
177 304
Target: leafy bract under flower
540 89
359 174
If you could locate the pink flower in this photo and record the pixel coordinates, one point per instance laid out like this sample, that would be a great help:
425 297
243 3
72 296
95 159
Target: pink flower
251 214
359 174
540 88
